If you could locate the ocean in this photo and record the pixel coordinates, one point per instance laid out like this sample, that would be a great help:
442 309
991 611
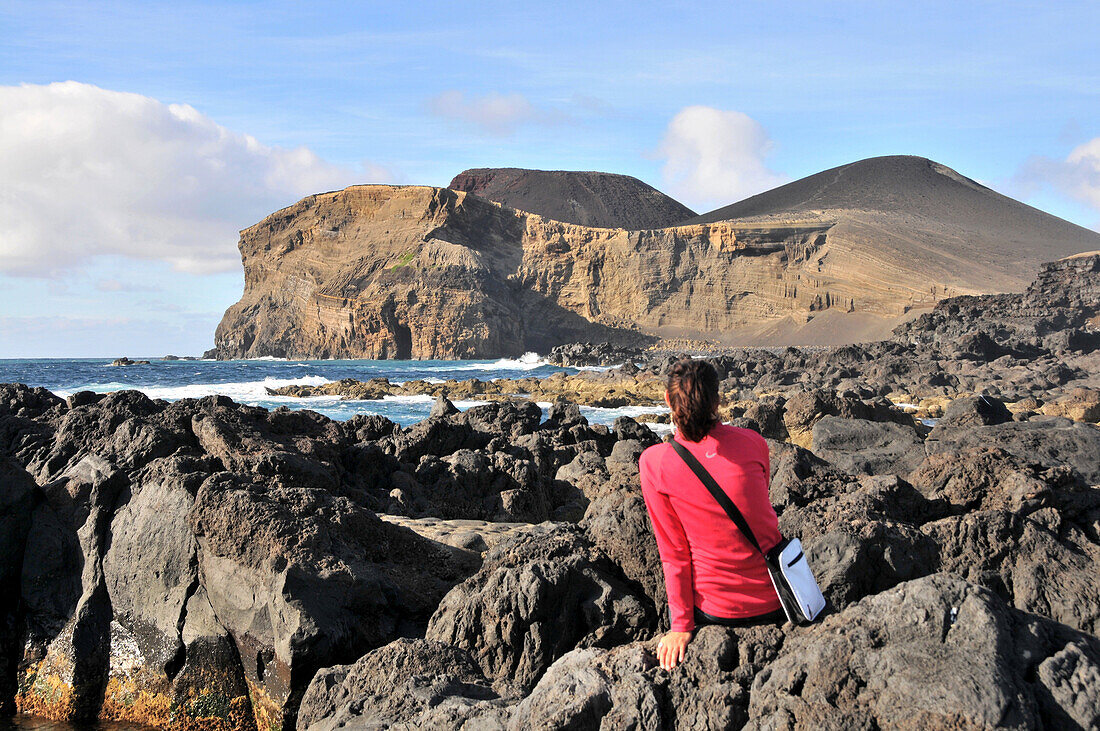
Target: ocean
245 381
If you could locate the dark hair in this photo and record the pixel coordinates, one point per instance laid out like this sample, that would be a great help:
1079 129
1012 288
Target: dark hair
693 396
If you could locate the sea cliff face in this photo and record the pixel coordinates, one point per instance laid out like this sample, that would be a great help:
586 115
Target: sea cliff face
418 272
507 261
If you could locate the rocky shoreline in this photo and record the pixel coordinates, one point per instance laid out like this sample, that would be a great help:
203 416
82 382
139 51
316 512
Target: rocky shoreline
608 389
205 564
1039 351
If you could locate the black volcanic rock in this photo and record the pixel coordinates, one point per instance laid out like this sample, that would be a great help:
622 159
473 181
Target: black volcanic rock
880 664
973 411
1052 441
868 447
592 354
1030 564
617 523
622 688
535 598
152 522
344 580
602 200
18 495
989 478
933 653
1056 314
390 685
243 514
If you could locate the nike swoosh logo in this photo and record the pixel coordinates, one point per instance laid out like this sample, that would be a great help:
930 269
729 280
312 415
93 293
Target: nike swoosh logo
711 454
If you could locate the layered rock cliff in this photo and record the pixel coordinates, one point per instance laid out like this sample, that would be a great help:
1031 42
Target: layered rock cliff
418 272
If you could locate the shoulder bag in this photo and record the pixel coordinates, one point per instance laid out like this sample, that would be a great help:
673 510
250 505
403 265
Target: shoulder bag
798 591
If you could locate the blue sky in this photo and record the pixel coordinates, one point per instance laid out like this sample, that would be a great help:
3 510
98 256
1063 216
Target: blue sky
222 95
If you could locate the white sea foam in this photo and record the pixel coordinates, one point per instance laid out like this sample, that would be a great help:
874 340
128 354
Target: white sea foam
413 399
526 362
244 392
597 369
423 399
606 416
98 387
468 404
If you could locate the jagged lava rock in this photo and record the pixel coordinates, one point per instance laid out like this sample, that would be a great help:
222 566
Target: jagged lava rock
17 502
1049 440
866 447
203 556
934 653
393 684
302 578
535 598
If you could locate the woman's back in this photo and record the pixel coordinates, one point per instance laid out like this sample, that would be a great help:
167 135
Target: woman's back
708 563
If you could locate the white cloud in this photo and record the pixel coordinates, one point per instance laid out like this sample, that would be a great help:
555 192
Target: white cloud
108 336
715 157
497 114
86 172
1078 176
118 285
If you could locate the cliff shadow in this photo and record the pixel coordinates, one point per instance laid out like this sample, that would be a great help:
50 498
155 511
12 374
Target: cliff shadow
547 324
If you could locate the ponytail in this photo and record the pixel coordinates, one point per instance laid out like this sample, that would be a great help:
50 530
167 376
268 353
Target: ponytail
693 396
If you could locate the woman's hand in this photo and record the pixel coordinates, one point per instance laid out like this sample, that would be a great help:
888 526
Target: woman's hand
671 648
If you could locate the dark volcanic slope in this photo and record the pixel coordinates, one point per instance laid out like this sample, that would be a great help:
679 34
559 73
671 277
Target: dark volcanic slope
600 200
905 208
904 184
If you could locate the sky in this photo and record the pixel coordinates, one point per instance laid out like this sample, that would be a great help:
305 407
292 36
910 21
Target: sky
137 139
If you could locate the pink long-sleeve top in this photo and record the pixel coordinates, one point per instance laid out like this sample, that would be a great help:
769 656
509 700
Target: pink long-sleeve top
707 562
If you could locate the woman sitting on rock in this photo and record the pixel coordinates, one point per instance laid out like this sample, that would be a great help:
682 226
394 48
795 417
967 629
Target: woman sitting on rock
713 575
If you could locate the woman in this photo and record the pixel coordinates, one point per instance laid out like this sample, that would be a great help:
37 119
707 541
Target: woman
713 575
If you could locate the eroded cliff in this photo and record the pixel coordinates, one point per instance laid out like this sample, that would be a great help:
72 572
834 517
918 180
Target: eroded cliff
418 272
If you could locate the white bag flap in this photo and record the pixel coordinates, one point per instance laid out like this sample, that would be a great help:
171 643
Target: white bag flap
796 570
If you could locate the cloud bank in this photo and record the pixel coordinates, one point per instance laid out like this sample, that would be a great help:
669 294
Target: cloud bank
85 172
1077 176
715 157
496 114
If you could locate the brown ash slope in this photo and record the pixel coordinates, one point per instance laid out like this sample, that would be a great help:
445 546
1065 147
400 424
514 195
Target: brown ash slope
417 272
600 200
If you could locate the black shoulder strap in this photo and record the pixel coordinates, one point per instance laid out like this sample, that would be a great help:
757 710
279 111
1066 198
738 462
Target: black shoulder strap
718 493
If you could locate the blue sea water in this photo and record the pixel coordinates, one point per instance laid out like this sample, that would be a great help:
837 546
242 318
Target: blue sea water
245 381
